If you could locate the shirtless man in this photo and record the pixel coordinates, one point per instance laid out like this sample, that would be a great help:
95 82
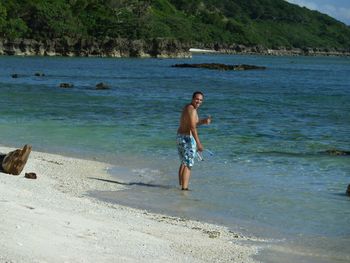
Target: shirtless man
187 140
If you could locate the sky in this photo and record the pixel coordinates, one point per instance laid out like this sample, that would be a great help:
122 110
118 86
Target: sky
338 9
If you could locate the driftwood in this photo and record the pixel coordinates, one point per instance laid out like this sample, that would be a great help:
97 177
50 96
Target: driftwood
14 162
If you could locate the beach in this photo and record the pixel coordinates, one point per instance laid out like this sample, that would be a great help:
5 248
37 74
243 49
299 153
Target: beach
270 175
53 219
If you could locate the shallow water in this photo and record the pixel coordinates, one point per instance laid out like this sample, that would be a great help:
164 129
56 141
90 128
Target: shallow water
268 173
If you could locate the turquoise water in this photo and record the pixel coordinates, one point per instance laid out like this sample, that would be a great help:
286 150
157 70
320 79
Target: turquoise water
267 174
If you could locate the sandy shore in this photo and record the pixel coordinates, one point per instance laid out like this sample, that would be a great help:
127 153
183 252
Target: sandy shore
51 219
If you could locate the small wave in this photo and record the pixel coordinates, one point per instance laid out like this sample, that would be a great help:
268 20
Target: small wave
326 153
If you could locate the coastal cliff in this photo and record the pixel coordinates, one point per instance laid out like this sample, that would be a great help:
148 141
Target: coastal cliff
155 48
280 51
158 48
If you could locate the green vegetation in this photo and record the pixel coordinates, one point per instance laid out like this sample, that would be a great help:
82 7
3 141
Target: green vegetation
270 23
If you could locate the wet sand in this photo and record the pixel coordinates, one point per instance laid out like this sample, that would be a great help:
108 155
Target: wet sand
53 219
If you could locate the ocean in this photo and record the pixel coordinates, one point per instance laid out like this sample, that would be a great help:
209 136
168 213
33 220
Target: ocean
267 172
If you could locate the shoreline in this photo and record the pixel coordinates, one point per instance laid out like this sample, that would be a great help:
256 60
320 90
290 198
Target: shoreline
152 48
53 219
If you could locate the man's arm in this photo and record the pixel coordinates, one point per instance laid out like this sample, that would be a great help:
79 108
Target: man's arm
205 121
193 126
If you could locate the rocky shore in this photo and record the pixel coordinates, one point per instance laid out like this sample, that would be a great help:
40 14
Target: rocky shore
156 48
159 48
280 51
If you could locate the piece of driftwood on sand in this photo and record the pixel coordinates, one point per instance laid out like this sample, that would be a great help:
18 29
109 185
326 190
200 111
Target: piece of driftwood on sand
14 162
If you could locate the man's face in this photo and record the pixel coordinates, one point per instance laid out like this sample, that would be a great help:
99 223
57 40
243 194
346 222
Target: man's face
197 101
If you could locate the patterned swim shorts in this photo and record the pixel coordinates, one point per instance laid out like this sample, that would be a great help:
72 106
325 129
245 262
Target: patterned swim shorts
187 148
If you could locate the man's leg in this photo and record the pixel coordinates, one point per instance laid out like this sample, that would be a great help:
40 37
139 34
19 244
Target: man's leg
186 174
181 168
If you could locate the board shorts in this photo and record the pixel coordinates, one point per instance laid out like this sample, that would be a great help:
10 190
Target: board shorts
187 148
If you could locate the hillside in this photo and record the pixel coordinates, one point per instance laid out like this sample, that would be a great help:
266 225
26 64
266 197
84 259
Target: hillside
267 23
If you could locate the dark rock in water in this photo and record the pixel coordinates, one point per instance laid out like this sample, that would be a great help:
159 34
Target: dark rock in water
348 190
14 162
66 85
219 66
14 76
101 86
336 152
30 175
39 74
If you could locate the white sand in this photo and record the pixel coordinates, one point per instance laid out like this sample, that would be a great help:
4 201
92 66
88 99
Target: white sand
51 219
198 50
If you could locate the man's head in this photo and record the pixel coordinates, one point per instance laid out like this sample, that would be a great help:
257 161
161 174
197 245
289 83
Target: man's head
197 99
197 92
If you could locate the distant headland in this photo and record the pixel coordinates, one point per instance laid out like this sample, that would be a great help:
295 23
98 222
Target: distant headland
167 28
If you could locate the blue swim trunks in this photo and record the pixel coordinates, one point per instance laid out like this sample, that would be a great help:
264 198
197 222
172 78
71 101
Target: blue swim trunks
187 148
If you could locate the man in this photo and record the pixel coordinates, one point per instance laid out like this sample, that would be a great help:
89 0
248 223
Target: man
187 140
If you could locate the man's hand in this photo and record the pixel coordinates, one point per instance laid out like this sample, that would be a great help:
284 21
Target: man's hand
206 120
200 147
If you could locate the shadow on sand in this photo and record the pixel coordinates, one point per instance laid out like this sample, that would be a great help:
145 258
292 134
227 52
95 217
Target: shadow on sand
132 183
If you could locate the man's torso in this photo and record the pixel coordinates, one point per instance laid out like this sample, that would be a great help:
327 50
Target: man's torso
185 121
